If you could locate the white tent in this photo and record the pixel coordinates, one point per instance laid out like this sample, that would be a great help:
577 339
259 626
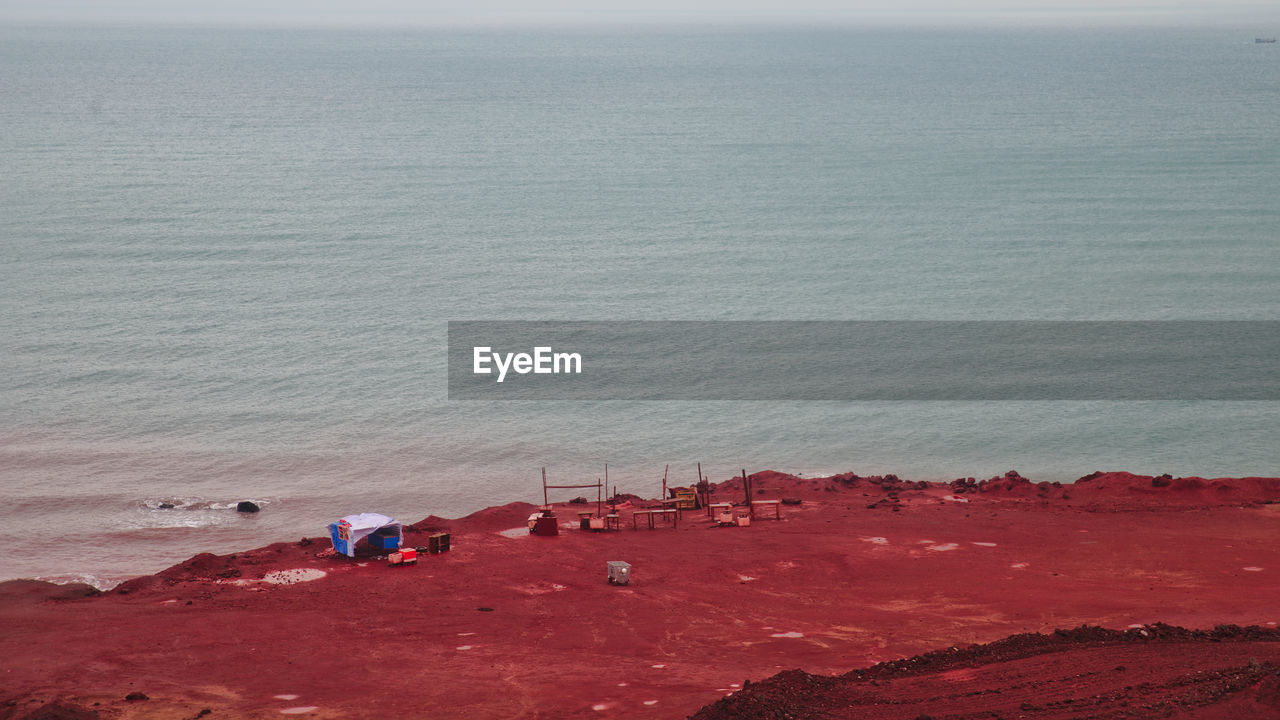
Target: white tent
353 528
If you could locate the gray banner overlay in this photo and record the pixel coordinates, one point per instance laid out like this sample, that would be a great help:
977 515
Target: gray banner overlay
865 360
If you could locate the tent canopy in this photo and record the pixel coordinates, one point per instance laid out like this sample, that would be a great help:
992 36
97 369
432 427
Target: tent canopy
353 528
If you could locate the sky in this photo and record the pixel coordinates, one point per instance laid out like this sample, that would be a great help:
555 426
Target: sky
1265 14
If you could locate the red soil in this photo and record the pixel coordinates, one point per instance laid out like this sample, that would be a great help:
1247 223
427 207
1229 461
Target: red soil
864 571
1154 671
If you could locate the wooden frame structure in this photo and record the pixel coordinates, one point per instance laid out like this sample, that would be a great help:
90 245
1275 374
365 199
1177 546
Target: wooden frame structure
598 485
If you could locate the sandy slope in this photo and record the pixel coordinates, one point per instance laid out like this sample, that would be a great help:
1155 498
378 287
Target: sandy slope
1155 671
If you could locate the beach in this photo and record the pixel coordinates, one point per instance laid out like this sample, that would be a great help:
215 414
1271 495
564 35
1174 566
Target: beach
231 257
859 573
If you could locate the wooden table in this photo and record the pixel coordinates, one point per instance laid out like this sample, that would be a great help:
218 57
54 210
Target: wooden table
777 506
635 518
673 513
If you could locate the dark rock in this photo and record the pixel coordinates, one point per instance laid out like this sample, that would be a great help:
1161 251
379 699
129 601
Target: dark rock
791 501
1162 481
136 696
165 506
304 542
847 480
246 506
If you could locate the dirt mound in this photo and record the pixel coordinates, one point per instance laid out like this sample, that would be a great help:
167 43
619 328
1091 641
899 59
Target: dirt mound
34 591
49 711
1153 671
488 519
1166 490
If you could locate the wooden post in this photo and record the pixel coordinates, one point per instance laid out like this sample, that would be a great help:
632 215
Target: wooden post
599 495
545 502
704 492
746 487
664 482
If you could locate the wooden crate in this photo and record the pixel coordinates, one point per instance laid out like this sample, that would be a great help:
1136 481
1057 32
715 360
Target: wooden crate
686 499
438 543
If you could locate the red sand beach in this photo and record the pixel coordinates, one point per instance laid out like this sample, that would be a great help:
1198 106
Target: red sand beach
862 572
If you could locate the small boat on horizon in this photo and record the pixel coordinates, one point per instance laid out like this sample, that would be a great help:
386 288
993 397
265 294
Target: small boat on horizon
1264 40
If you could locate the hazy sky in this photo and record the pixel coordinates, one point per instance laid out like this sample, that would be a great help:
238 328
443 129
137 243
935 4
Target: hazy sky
436 12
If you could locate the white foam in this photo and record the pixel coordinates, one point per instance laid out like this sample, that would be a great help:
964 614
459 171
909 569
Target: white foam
290 577
299 710
1252 568
463 647
650 702
792 634
745 578
984 544
944 547
1018 566
876 540
657 667
955 498
100 583
285 697
599 707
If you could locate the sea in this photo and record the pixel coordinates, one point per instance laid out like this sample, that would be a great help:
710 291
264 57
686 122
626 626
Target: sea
228 256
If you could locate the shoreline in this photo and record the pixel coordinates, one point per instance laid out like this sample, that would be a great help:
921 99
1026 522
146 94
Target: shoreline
1120 489
862 570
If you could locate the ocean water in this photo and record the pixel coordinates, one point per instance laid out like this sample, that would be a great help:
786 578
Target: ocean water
227 257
